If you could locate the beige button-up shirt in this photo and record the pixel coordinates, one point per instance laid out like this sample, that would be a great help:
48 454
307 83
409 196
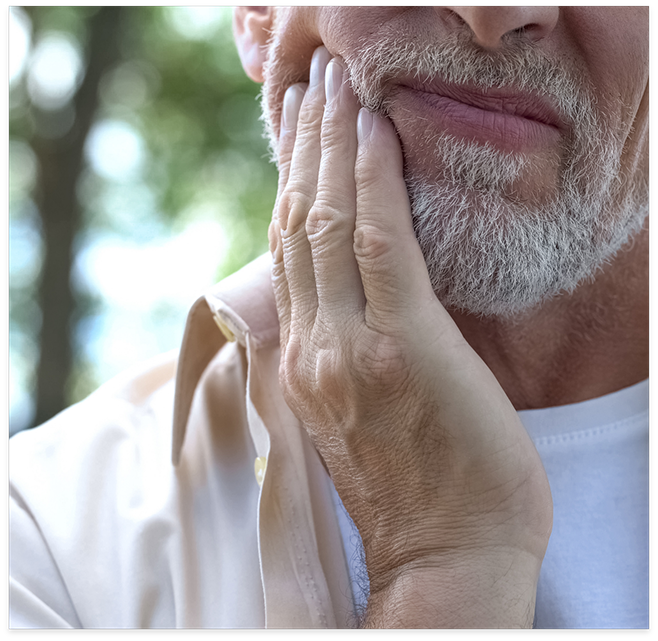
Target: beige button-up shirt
224 519
227 518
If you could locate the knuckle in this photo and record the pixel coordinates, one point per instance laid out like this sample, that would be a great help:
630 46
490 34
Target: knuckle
333 387
295 202
330 374
371 243
321 220
315 378
289 368
273 235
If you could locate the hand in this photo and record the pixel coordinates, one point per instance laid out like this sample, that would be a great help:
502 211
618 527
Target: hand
426 451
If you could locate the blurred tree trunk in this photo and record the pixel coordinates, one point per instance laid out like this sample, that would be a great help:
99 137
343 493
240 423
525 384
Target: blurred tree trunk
60 162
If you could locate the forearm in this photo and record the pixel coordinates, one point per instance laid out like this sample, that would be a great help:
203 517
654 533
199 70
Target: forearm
493 591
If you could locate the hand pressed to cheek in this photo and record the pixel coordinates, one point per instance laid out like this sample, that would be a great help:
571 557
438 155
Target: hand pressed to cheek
318 273
372 364
317 280
325 176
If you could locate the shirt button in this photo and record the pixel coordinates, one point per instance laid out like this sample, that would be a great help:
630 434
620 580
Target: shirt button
259 469
230 336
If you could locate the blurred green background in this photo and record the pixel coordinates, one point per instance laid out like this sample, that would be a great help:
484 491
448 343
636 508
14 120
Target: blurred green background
138 177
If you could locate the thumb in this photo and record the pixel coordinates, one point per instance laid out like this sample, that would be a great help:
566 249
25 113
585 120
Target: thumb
393 270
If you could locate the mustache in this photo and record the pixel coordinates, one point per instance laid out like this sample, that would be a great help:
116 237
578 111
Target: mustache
376 68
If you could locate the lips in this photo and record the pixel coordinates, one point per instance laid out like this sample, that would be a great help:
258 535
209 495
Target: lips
506 119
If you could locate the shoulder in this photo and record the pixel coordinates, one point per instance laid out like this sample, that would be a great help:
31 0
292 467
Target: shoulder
136 400
73 484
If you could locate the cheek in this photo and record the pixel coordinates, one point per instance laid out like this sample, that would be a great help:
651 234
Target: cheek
346 30
298 31
613 43
295 38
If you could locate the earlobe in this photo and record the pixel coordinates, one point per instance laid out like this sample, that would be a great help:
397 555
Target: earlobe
251 29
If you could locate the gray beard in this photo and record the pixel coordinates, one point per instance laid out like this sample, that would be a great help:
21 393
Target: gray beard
486 253
491 256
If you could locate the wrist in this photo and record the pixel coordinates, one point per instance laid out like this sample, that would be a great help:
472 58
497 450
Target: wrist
494 588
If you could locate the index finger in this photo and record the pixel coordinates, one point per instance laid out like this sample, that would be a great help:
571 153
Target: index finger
392 266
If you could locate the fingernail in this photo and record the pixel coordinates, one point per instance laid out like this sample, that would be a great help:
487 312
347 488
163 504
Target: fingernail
363 125
333 79
292 102
318 65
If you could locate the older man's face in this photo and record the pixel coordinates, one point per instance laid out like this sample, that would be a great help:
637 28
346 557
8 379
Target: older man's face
525 154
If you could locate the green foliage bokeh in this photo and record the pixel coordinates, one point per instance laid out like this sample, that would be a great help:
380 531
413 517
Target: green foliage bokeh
183 90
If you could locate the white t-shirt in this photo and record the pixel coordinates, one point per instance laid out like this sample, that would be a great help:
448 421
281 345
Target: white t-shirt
596 569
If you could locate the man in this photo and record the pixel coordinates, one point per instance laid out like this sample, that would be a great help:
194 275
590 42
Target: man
459 260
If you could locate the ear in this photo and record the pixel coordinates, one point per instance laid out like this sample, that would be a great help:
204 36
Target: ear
251 29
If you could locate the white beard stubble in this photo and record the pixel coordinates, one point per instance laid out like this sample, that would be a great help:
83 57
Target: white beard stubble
487 253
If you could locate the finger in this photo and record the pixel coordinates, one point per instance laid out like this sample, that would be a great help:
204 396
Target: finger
297 199
330 224
292 102
393 270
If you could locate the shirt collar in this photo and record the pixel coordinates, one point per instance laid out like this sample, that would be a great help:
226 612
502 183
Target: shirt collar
240 305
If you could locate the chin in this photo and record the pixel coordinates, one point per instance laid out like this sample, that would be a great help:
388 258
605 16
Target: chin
493 256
